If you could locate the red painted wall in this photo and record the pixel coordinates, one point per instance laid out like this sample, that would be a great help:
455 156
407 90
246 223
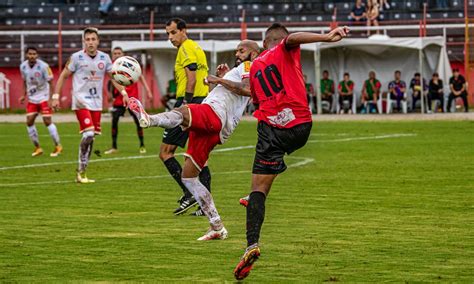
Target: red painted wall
16 89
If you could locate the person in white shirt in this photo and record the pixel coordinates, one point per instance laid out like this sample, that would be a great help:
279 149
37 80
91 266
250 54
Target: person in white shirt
88 68
209 124
38 85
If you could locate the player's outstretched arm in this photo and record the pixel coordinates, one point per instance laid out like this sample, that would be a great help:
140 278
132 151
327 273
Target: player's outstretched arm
335 35
147 88
238 88
120 88
59 86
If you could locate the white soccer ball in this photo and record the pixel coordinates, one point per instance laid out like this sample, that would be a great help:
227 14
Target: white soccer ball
126 70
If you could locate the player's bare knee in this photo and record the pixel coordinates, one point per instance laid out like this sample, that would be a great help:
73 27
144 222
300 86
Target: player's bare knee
47 121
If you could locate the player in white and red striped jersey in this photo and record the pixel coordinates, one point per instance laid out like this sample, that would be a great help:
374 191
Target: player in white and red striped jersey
38 84
88 68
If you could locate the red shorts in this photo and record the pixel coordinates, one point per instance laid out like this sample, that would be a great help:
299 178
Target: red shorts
42 108
88 120
203 133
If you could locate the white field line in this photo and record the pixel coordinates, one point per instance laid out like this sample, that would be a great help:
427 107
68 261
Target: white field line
215 151
303 161
363 138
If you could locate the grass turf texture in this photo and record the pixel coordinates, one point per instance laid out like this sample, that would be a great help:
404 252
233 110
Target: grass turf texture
394 209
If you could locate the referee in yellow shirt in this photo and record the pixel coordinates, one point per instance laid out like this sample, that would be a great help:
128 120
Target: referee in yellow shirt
190 70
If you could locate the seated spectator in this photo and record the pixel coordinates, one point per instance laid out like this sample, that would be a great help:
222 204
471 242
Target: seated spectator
310 94
346 92
169 99
457 85
370 93
384 3
397 89
327 89
372 15
415 86
104 7
358 13
435 92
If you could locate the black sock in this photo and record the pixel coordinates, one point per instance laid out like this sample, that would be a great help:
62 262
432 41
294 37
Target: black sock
140 136
205 177
255 216
174 168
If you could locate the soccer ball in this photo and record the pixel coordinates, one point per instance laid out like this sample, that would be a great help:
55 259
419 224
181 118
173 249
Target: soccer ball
126 70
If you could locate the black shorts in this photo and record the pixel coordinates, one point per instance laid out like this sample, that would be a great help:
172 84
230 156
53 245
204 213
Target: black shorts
274 142
176 136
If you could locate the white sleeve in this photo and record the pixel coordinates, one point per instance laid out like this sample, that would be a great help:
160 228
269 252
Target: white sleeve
108 64
22 73
72 64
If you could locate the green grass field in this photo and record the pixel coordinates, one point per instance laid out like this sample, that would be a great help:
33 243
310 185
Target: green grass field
362 202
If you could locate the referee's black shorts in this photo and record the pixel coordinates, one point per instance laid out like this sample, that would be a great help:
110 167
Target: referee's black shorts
176 136
274 142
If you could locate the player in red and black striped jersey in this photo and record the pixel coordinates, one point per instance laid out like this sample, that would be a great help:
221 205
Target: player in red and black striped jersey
284 120
119 110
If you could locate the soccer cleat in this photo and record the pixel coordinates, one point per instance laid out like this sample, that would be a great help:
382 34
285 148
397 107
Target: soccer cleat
57 150
37 152
142 150
212 234
242 270
82 178
184 204
244 201
111 151
136 107
198 213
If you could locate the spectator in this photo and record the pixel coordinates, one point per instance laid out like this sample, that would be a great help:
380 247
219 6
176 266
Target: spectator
457 85
327 89
372 15
169 99
415 86
442 4
384 3
435 91
370 93
397 89
104 7
358 13
346 92
310 94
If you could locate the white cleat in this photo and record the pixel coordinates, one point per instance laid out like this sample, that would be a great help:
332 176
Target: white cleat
214 235
82 178
136 107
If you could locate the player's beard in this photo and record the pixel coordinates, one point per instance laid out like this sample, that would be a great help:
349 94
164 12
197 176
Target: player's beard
238 60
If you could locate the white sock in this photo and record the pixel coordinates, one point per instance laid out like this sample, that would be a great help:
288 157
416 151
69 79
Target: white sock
169 119
85 150
53 132
33 133
204 199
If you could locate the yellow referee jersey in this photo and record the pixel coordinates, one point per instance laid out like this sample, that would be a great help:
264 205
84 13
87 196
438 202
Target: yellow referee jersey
188 53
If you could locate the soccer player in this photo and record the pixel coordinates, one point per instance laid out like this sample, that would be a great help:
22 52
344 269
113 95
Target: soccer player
38 84
370 93
284 120
88 68
209 124
190 71
119 109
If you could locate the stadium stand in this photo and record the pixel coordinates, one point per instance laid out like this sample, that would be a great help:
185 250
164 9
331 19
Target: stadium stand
22 15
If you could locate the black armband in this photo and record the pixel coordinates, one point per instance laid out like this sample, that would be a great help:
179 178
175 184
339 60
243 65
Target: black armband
188 97
192 66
